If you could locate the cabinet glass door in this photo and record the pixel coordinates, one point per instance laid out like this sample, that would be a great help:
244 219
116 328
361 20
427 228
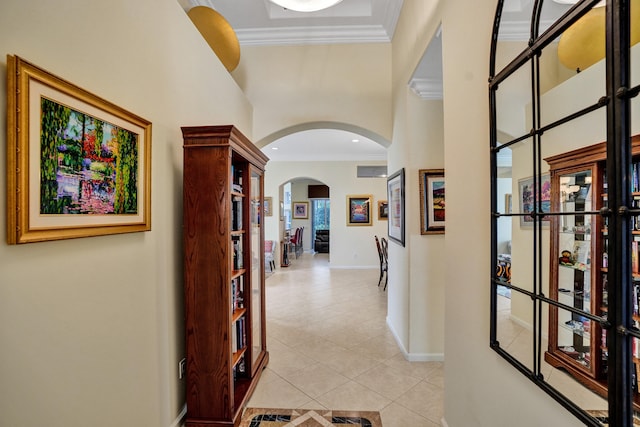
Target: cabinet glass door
575 285
257 267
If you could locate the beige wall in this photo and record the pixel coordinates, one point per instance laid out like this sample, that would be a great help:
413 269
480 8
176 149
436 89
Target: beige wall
481 387
416 271
91 329
351 246
293 85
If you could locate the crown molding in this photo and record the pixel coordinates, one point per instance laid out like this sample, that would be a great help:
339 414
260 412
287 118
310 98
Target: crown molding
313 35
427 88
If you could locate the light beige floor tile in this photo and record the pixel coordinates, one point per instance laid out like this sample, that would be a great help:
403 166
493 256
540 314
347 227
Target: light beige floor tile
318 344
277 394
426 400
415 369
316 380
317 348
387 381
283 363
378 349
396 415
349 364
355 397
311 404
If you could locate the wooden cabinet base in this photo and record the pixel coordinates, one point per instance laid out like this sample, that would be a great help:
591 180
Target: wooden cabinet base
243 391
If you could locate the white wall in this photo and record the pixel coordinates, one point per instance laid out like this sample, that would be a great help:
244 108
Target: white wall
91 329
350 247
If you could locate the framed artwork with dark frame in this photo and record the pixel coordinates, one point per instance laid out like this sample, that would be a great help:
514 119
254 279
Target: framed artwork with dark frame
432 201
79 165
300 210
395 195
268 206
383 210
359 209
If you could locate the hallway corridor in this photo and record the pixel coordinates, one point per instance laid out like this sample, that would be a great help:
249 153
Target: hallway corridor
330 348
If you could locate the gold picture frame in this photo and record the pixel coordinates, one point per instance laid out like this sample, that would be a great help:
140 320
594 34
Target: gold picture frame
268 206
383 210
300 210
77 165
359 209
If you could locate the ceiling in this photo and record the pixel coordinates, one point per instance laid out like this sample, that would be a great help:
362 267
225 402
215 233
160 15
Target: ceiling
260 22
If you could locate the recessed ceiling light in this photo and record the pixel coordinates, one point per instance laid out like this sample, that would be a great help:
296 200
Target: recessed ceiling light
306 5
355 140
274 148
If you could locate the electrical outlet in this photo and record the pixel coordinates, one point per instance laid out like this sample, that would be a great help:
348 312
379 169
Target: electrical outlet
182 368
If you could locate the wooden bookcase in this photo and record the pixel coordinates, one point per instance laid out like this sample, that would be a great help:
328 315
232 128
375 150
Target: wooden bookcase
578 265
223 245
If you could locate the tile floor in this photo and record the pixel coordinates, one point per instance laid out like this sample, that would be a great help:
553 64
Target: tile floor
330 348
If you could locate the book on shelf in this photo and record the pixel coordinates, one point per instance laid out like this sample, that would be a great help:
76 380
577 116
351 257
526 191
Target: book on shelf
238 260
236 179
237 293
238 335
236 213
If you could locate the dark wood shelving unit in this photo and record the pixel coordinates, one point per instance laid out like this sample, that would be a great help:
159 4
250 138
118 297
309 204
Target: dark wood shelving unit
587 363
223 242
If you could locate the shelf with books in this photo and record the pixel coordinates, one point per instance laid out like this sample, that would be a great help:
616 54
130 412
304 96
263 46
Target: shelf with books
579 264
224 316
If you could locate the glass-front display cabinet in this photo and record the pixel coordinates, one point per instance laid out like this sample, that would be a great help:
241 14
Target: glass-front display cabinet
575 340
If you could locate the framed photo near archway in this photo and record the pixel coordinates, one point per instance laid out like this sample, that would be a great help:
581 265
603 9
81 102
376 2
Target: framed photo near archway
395 194
359 209
300 210
432 201
383 210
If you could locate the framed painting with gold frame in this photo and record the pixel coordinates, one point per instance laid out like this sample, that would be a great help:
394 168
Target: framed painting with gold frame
78 165
359 209
268 206
383 210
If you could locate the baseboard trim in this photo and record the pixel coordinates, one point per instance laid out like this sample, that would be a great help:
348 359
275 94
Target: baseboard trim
425 357
354 267
414 357
179 421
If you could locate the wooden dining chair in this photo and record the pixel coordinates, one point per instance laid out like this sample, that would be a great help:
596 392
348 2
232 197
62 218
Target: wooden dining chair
380 244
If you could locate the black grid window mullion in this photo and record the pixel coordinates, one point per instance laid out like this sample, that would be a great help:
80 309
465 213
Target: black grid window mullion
618 167
619 320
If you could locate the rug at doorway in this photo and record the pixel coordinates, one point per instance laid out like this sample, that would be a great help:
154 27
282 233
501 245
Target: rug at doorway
259 417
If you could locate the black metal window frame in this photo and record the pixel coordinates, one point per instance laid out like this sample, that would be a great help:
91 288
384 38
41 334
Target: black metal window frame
617 102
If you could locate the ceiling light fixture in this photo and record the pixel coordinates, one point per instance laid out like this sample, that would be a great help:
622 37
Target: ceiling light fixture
306 5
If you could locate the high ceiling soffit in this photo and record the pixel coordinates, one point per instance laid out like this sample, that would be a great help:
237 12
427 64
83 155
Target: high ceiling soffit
261 22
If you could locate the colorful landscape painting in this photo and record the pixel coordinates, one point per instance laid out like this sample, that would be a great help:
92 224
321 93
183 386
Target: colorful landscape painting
87 166
359 210
437 198
527 190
